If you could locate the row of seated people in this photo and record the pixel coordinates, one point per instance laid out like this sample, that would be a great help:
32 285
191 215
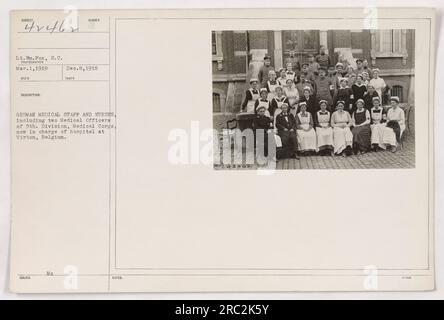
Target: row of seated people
337 133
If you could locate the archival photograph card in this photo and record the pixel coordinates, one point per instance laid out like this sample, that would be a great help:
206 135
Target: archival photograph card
243 150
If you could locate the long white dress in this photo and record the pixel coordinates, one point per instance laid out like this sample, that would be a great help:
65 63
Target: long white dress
293 97
389 136
325 132
306 139
377 127
342 137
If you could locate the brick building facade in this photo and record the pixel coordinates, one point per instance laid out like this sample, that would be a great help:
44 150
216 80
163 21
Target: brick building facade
237 56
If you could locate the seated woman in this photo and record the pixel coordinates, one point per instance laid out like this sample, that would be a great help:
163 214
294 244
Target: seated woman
324 131
305 131
377 115
395 125
342 136
292 95
361 128
263 102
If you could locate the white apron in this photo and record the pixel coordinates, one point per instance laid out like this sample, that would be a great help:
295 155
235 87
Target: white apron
293 97
306 139
250 103
272 88
266 105
389 136
342 137
279 109
377 128
325 133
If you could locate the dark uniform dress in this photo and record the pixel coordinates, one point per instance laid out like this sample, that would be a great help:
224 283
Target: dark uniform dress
312 105
276 103
361 135
359 91
285 123
368 99
345 94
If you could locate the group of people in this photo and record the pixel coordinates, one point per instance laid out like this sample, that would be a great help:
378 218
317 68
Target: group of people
324 109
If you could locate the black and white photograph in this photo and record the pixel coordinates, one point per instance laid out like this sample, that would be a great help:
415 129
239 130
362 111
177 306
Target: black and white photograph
314 99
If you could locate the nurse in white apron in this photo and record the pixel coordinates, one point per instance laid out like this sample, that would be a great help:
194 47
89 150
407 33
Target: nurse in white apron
292 94
324 131
394 115
251 96
377 125
277 103
272 83
305 131
263 102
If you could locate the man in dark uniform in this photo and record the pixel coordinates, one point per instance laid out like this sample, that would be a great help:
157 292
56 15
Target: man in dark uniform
264 70
286 125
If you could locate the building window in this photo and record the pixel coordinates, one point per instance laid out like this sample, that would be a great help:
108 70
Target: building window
389 44
301 40
398 92
389 41
216 102
213 43
216 48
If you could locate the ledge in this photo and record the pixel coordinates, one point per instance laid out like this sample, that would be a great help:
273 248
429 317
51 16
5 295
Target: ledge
229 77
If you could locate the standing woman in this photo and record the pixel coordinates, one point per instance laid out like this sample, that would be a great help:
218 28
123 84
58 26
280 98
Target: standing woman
324 131
341 122
369 97
271 84
277 102
359 88
345 94
282 80
378 83
395 125
292 94
309 98
361 128
305 132
377 125
251 96
263 102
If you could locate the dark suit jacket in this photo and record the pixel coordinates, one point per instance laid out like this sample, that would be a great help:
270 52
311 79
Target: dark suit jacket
262 122
282 123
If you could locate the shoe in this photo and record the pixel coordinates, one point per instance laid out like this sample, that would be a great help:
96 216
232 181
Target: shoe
295 156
